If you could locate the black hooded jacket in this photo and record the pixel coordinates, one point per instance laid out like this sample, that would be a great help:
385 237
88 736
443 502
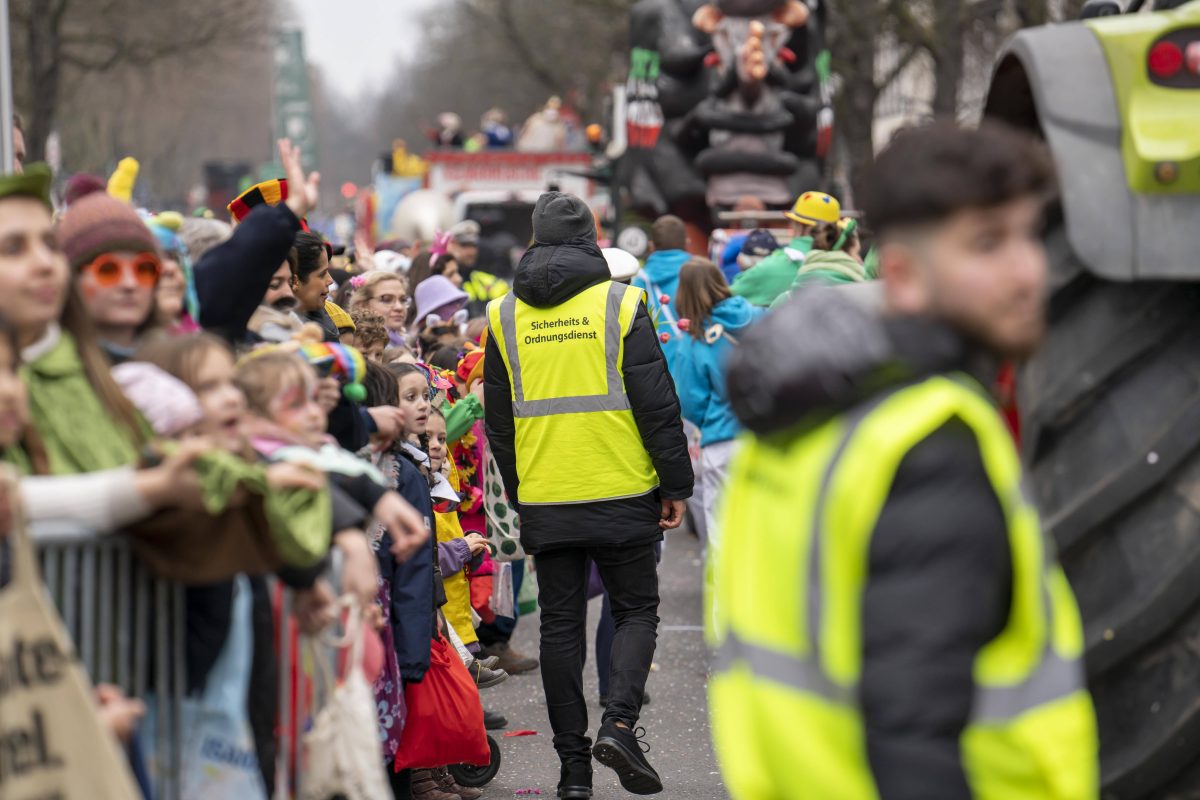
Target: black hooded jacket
547 276
232 278
940 574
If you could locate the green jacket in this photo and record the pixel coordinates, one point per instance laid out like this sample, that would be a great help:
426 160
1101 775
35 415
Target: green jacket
763 283
827 267
60 397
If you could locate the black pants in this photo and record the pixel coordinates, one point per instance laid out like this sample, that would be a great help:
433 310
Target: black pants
630 574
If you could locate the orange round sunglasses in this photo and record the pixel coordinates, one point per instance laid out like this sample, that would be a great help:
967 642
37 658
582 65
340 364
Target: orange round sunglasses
108 269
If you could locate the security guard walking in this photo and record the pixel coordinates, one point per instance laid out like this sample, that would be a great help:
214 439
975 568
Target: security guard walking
889 619
584 423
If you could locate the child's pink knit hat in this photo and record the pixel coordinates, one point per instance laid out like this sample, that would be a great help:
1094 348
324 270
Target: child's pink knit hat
166 402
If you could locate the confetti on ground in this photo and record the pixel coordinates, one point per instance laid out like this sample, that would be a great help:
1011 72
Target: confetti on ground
537 792
511 734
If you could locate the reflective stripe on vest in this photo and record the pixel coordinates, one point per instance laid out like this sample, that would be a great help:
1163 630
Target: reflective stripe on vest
576 437
1031 733
615 400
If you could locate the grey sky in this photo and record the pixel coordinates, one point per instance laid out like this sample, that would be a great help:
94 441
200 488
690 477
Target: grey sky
356 42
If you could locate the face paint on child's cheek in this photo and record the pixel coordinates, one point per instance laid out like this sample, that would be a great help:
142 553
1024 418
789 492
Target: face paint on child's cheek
288 406
290 397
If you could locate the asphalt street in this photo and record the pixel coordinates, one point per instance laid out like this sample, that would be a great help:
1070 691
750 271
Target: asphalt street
676 719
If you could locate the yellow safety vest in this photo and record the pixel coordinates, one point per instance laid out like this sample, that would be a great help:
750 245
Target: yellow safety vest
483 287
786 615
576 438
458 587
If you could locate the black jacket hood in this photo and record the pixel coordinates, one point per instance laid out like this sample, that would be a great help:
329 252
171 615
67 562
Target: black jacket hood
551 274
826 351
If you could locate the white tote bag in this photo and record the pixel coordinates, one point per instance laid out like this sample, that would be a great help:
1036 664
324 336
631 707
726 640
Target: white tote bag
343 754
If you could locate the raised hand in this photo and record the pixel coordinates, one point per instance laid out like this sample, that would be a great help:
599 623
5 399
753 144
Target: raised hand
303 191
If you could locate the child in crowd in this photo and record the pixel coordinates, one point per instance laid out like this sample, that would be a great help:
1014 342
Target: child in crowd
206 364
370 336
456 551
715 319
183 387
406 590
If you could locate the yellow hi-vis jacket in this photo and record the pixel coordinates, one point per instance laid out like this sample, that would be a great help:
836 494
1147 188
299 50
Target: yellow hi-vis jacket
458 587
786 615
576 438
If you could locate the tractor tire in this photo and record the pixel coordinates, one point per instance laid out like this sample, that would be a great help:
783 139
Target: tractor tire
1110 411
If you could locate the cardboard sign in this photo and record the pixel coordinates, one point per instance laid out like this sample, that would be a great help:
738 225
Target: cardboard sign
53 745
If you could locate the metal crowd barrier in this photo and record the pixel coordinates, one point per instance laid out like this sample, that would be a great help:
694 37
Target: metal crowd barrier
308 694
129 630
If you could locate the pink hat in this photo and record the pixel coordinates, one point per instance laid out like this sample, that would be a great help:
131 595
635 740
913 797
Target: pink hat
165 401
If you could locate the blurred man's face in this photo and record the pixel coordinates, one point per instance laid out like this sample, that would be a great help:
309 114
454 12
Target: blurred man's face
984 271
18 150
464 254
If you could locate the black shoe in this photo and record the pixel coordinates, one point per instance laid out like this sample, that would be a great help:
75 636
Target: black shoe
575 781
645 699
493 720
486 678
621 750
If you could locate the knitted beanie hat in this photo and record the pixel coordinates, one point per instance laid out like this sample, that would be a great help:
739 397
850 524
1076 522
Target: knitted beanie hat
80 185
167 403
98 224
559 217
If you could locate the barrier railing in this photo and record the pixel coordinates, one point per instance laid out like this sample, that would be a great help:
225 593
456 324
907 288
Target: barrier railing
129 629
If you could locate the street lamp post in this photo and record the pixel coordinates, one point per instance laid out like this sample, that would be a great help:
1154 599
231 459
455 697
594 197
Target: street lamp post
6 93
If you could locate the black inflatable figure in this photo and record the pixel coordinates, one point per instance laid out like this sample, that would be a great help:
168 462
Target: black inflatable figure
723 101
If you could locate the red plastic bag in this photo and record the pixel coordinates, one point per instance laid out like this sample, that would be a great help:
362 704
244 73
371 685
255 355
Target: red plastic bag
445 716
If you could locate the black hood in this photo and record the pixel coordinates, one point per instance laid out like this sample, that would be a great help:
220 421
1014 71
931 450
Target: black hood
551 274
826 351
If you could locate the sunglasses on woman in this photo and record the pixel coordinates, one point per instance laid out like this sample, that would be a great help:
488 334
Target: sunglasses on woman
109 269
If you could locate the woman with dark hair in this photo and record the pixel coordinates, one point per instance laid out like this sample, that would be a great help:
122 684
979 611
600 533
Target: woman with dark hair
311 283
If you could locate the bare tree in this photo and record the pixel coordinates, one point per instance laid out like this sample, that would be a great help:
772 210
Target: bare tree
860 31
942 49
59 42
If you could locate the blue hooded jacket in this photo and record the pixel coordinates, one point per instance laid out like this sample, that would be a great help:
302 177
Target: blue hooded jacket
700 371
729 256
661 276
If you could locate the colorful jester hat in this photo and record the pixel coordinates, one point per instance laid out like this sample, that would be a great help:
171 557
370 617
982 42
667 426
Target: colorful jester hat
342 362
439 380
